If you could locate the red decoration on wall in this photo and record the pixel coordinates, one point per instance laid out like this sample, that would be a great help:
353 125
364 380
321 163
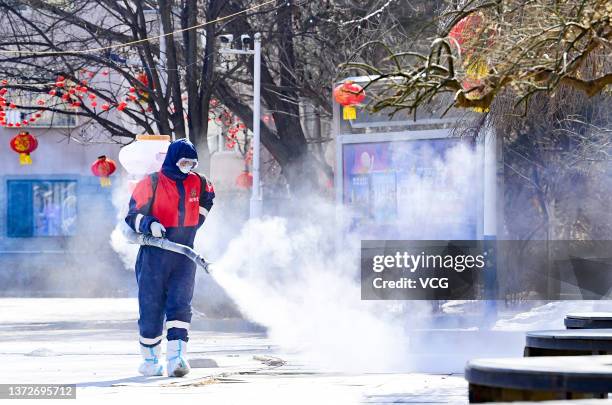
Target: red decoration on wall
24 143
103 167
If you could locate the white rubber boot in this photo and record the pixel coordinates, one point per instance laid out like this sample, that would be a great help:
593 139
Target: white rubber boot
176 354
150 365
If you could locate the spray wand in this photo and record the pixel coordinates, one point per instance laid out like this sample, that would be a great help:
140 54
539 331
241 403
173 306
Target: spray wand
163 243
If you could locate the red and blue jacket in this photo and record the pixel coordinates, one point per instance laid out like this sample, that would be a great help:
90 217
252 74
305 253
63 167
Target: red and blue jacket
178 201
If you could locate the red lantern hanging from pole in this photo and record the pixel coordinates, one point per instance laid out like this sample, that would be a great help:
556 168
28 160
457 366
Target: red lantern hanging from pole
244 180
103 167
348 95
24 143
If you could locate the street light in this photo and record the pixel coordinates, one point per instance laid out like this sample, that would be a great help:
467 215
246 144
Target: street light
256 200
162 54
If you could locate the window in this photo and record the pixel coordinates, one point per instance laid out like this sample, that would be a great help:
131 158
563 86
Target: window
41 208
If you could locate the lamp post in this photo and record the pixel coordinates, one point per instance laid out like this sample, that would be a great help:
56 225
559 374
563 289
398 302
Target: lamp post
256 198
161 66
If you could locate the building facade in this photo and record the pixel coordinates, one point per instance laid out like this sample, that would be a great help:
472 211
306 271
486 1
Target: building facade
56 218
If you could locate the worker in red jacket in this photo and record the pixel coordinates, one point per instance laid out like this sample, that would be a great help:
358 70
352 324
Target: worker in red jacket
172 203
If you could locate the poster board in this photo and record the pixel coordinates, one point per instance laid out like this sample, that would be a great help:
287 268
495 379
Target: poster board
388 181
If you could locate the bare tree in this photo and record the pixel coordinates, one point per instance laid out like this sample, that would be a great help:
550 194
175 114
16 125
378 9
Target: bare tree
484 48
112 49
104 47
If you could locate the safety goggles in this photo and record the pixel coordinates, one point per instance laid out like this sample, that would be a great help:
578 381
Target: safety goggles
187 164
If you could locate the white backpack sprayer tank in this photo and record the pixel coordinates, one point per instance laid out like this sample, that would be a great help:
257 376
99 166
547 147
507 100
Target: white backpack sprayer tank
146 155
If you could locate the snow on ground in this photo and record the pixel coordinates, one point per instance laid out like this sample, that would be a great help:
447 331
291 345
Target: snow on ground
549 316
37 310
93 343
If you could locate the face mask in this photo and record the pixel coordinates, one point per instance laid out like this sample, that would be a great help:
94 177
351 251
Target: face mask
186 165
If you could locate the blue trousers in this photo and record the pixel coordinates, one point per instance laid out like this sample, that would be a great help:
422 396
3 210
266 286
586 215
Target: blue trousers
165 289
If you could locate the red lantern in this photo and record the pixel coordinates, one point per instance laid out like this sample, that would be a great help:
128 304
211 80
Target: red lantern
24 143
465 30
103 167
464 36
348 95
105 107
244 180
142 78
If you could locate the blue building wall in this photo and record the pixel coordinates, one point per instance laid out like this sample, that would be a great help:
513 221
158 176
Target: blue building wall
82 264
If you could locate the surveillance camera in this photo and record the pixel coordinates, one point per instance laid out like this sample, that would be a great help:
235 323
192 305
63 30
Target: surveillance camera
245 39
226 39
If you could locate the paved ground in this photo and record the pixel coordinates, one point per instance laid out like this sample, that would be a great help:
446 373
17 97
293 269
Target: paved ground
93 343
